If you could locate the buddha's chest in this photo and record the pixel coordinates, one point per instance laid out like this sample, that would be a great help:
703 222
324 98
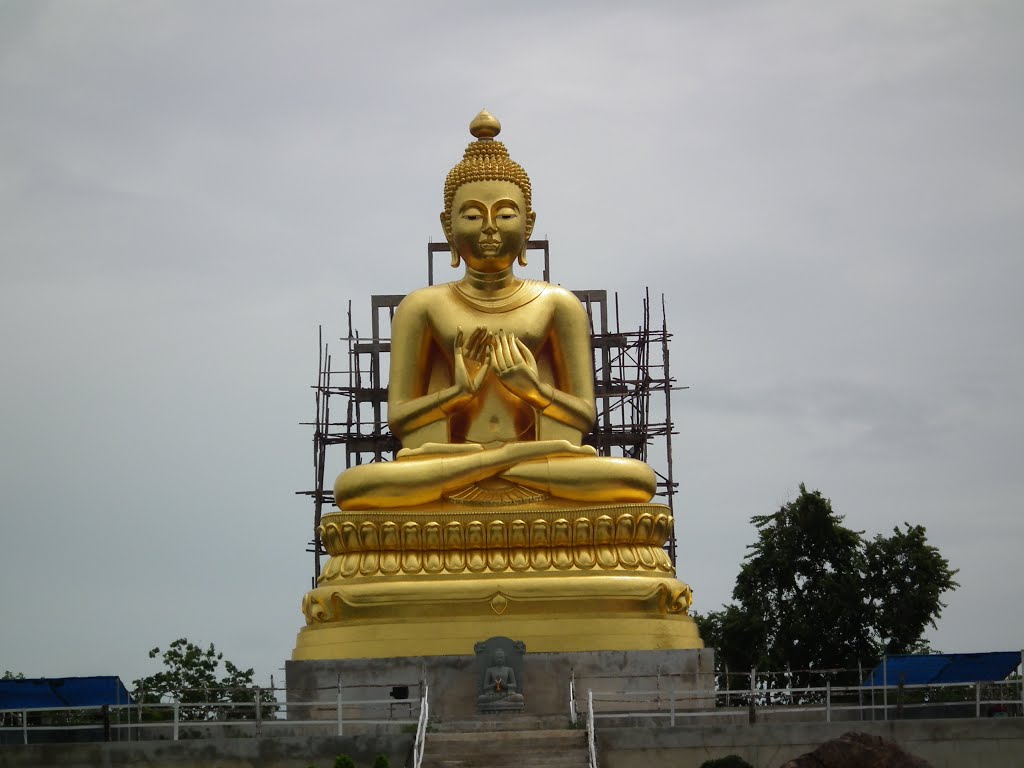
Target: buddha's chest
531 323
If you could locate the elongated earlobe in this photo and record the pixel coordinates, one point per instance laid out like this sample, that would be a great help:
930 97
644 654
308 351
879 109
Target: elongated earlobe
446 225
531 219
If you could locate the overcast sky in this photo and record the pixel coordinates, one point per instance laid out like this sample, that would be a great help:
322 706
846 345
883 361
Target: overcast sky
830 196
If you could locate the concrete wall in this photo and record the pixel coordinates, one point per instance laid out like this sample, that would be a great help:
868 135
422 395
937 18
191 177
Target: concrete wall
213 753
453 680
943 743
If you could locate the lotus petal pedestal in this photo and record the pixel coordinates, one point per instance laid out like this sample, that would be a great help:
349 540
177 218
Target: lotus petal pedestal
433 580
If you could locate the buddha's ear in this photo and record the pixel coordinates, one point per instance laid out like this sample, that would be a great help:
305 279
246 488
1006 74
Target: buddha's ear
531 217
446 226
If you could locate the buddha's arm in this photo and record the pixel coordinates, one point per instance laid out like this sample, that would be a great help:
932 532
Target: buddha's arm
571 399
517 369
409 405
574 364
569 409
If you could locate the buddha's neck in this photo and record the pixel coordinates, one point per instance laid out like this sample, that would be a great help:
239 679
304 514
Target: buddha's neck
492 284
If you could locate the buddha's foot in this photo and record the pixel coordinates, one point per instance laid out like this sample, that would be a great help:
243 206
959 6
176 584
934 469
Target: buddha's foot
433 450
495 491
544 449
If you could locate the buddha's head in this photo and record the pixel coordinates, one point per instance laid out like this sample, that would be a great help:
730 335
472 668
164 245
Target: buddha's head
487 213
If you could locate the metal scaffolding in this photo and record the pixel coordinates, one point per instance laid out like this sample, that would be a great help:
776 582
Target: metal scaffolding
631 375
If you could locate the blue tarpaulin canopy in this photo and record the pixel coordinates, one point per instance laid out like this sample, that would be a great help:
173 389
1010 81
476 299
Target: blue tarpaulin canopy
945 668
62 692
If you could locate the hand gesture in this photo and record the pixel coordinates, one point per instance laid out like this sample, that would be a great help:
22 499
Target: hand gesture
516 368
472 362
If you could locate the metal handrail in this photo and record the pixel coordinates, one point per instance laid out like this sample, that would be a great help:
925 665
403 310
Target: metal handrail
818 699
830 701
572 698
421 729
255 722
591 745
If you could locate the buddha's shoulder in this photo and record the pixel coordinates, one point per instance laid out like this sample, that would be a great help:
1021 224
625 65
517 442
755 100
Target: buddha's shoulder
562 298
423 299
558 293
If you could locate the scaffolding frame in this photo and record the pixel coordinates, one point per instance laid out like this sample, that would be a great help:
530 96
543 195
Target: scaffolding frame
631 370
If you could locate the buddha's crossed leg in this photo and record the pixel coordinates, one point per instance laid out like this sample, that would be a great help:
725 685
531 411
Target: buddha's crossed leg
557 467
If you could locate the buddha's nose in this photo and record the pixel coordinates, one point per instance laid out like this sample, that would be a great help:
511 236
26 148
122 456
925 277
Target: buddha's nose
489 226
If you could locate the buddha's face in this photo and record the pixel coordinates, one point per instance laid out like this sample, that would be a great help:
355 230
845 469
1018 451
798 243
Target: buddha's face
490 224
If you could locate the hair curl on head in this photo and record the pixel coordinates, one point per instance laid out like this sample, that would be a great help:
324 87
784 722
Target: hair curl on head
484 160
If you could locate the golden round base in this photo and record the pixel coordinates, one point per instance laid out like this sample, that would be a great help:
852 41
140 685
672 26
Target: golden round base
454 636
424 637
573 613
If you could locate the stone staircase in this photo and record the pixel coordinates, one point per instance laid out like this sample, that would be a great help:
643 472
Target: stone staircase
506 742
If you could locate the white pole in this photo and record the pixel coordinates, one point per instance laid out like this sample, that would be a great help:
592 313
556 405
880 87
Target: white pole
259 712
885 687
977 699
828 701
176 703
873 714
24 726
860 691
340 727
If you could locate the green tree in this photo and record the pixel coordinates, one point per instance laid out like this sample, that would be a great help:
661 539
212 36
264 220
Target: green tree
190 676
813 595
8 675
906 578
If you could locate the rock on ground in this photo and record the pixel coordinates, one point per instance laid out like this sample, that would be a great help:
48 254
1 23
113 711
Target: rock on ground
858 750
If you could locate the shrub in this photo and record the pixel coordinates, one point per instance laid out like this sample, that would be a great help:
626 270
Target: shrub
729 761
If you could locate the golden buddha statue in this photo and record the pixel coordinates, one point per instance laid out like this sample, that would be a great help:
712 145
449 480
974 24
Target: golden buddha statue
494 511
498 411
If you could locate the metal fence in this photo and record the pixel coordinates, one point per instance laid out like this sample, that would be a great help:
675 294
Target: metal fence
664 698
184 718
826 703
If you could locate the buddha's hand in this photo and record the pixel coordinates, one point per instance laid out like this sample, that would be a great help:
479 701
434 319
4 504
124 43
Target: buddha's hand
478 349
516 367
472 361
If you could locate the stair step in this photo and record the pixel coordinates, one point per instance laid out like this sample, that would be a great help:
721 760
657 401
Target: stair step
508 741
556 734
502 723
523 760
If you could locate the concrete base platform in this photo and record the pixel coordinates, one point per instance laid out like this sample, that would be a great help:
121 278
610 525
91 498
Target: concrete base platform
686 675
